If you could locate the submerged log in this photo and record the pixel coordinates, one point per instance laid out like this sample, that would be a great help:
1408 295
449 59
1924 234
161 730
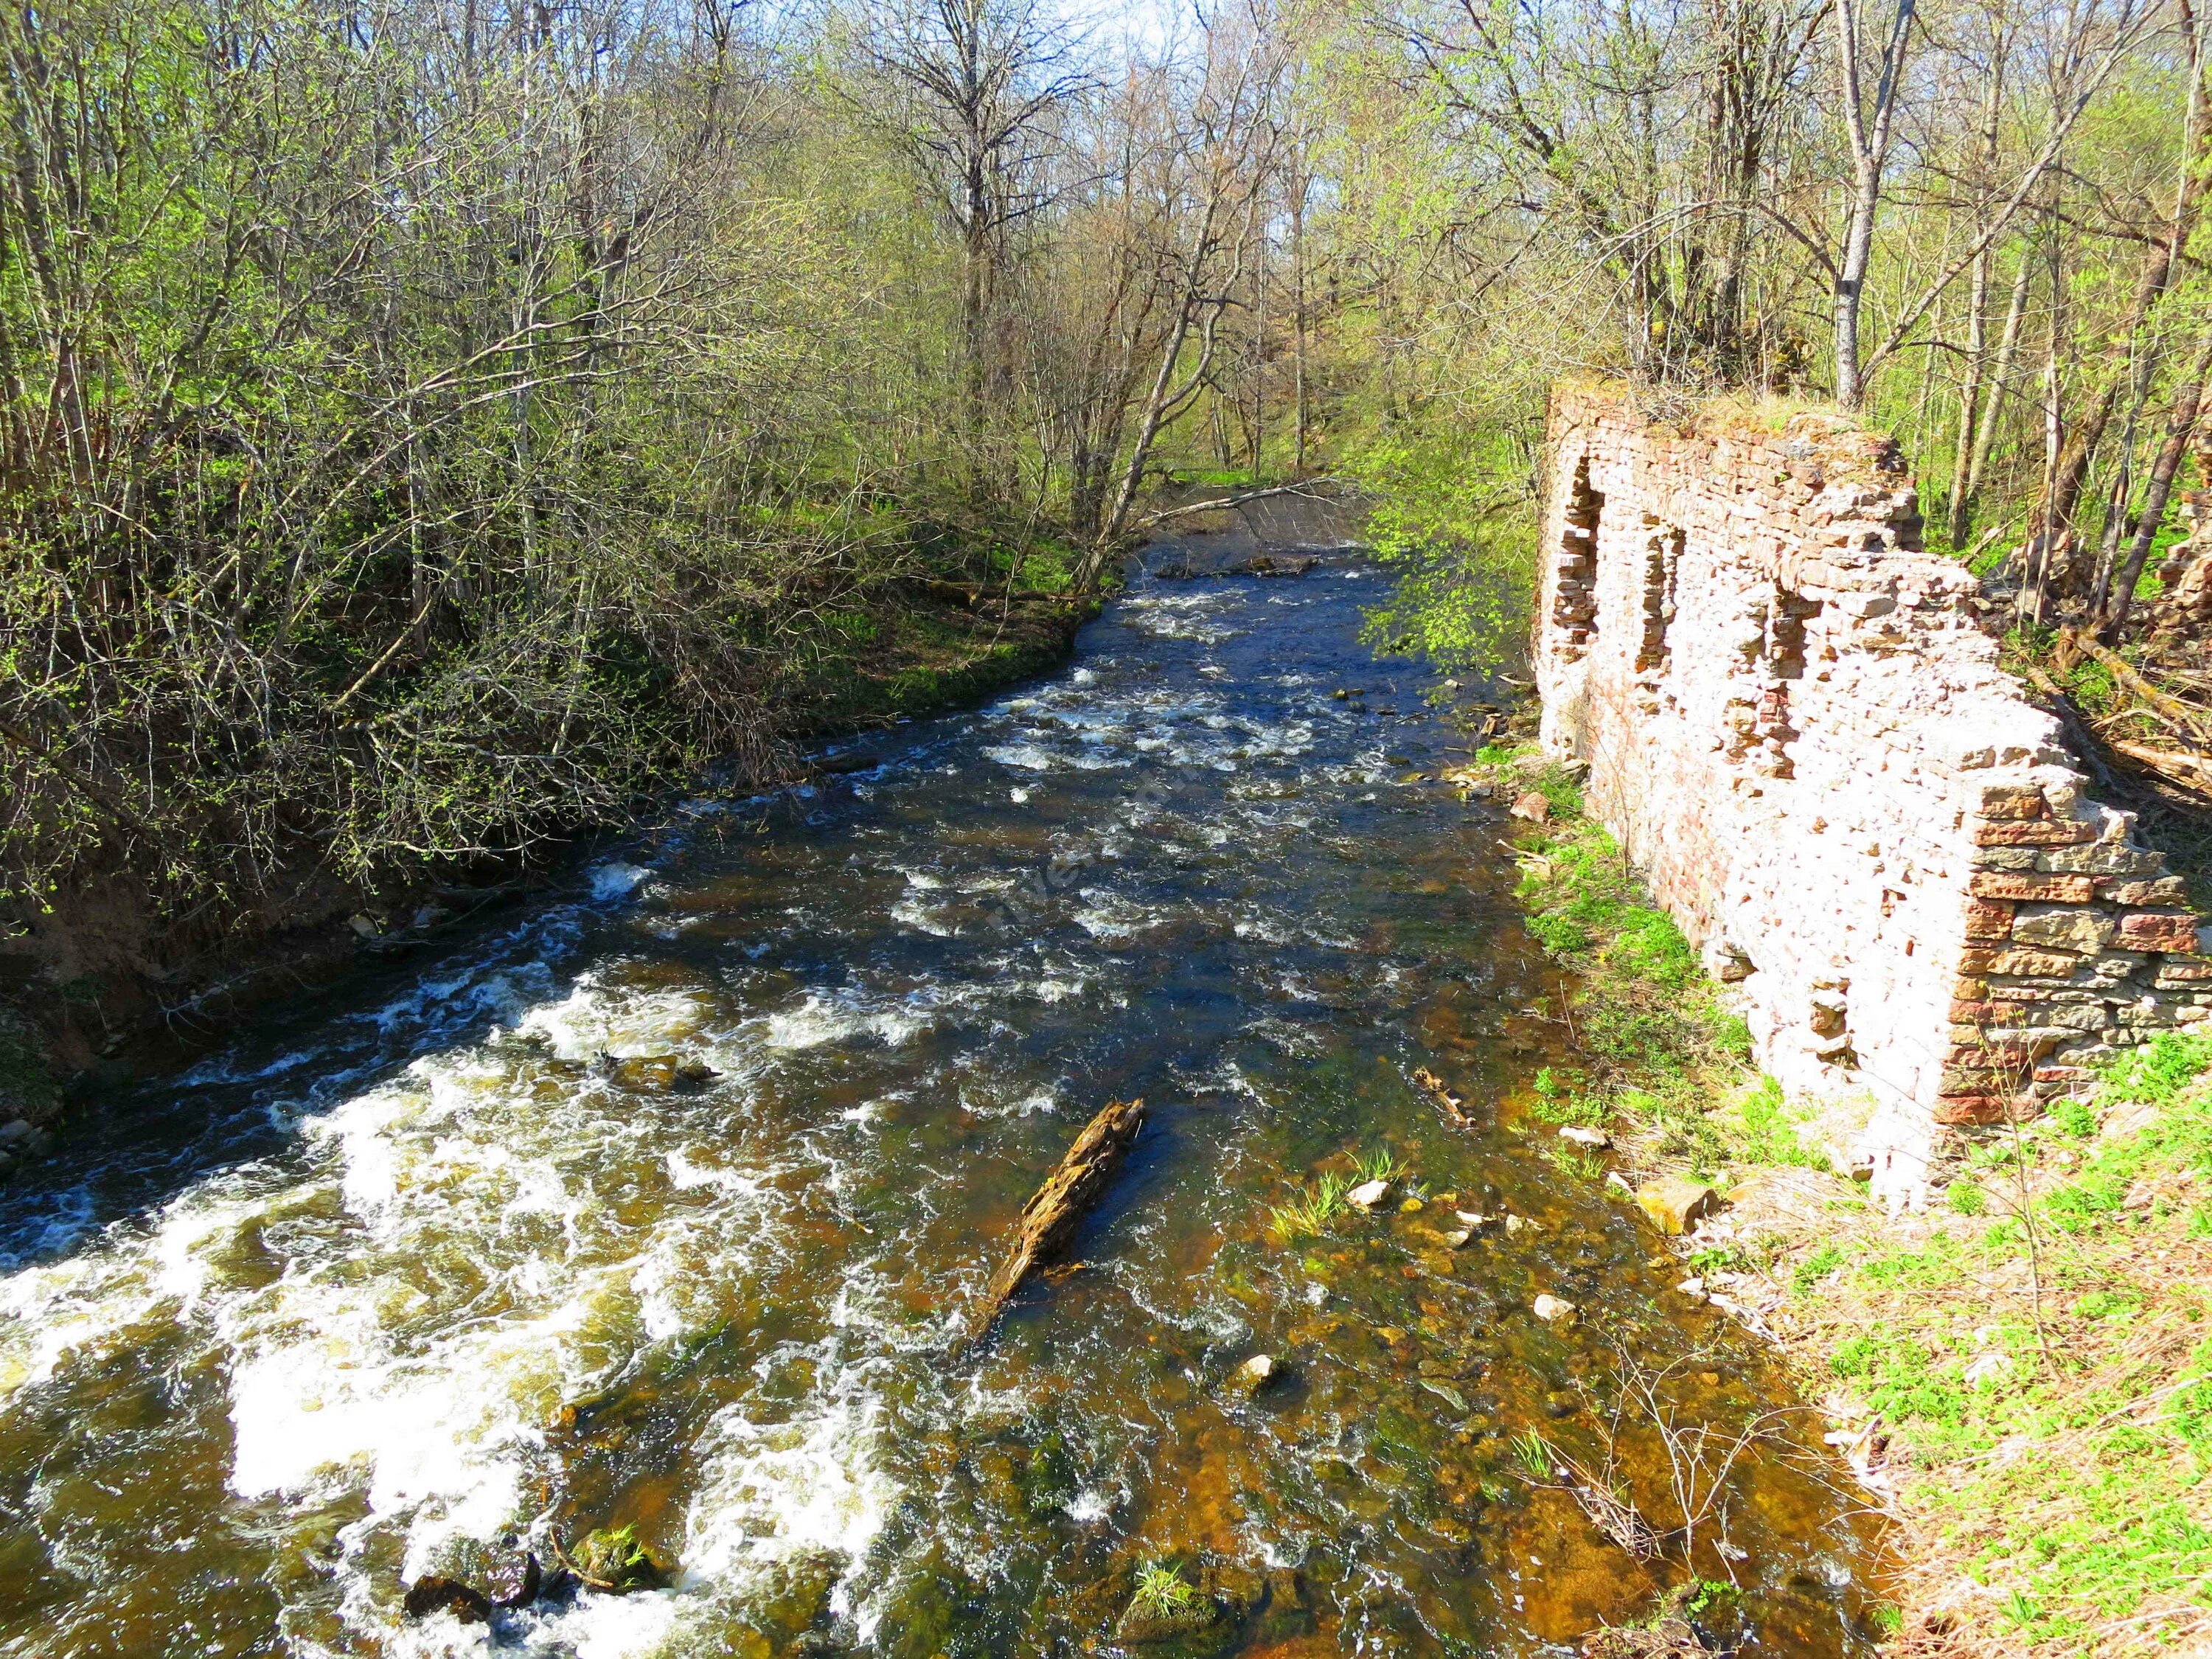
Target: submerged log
1455 1105
1050 1218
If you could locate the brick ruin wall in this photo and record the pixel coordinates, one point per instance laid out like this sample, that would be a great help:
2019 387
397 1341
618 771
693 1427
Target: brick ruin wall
1794 720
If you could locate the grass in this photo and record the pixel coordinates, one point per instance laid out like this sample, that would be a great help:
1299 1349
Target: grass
1378 1164
2038 1351
1162 1590
1310 1213
1660 1052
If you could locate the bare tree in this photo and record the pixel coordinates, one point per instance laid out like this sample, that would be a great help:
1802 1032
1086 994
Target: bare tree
984 79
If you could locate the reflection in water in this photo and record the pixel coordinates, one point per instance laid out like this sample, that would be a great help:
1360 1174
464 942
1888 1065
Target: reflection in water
661 1206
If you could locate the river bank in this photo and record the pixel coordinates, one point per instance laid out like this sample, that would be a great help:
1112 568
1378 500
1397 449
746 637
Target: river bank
108 994
2017 1376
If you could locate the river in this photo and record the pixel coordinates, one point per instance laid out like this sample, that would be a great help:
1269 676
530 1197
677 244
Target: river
660 1204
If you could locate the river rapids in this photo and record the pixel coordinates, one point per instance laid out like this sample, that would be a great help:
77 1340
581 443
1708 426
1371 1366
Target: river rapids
660 1205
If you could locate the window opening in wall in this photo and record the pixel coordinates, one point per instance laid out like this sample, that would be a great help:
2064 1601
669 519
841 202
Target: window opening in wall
1574 601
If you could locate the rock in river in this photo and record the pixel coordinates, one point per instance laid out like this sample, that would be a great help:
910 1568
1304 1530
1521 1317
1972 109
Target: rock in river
1555 1311
1369 1195
1254 1374
431 1594
1596 1139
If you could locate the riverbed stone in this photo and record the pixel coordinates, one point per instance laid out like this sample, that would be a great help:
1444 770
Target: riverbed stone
1369 1195
1194 1627
1255 1374
1555 1311
431 1594
1596 1139
1675 1203
613 1556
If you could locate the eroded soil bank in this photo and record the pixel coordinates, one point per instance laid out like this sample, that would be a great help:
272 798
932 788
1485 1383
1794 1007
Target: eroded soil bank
660 1206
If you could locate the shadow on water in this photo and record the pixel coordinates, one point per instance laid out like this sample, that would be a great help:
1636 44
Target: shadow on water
660 1206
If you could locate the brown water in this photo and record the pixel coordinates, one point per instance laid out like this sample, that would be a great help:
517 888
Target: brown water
411 1286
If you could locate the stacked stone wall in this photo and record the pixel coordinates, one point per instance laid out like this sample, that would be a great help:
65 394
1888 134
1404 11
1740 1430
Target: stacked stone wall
1794 720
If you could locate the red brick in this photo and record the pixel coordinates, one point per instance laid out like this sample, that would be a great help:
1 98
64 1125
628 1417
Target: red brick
2064 1074
2014 801
1987 1048
2050 889
1972 1081
2034 832
1987 1014
1972 1109
2158 930
1988 919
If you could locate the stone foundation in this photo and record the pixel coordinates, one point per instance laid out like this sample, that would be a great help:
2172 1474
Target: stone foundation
1794 720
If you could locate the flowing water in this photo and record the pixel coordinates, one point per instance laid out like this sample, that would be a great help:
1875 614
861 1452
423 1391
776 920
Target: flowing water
488 1257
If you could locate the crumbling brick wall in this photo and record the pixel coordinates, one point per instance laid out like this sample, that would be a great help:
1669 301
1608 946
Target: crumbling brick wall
1794 720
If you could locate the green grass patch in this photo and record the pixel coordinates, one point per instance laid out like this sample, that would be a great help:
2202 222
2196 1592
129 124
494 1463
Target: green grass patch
1656 1045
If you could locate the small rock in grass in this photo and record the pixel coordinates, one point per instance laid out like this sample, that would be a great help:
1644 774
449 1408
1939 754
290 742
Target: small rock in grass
1368 1195
1596 1139
1692 1288
1533 806
1555 1311
1675 1203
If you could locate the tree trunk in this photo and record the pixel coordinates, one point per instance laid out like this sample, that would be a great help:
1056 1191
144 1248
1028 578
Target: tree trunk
2179 429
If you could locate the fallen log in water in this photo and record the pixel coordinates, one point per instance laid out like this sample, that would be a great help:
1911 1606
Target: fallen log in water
1050 1218
1455 1105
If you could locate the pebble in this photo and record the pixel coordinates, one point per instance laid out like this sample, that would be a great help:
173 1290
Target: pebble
1368 1194
1554 1310
1692 1288
1254 1374
1596 1139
